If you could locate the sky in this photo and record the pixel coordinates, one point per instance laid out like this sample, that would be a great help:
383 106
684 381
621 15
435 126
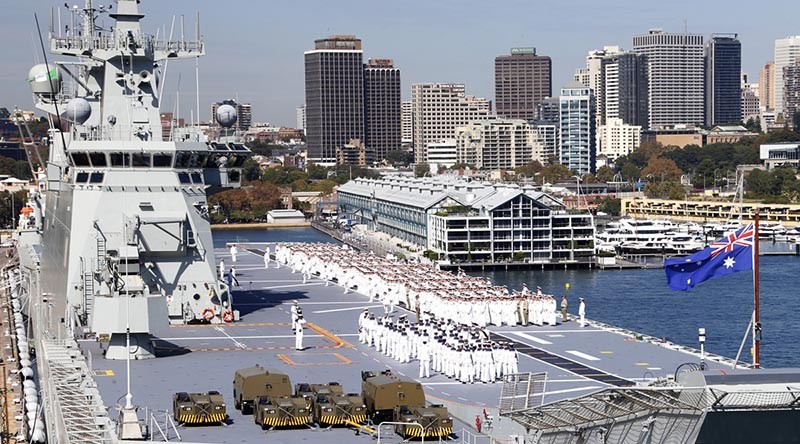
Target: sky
254 49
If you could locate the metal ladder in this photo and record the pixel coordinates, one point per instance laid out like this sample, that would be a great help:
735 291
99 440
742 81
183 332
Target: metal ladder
88 294
101 253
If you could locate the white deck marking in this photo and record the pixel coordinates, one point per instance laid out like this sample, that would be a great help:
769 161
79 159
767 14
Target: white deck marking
585 330
237 343
582 355
533 338
292 286
334 303
549 381
654 368
343 309
555 336
206 338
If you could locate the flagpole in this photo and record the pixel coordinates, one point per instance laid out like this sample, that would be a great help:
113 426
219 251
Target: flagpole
756 311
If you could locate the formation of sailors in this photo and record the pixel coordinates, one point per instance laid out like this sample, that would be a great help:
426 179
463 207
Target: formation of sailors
420 287
462 352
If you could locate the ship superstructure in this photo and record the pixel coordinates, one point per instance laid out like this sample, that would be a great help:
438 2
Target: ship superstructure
127 238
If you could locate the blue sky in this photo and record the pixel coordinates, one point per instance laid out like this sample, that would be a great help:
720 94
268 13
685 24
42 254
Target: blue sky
255 48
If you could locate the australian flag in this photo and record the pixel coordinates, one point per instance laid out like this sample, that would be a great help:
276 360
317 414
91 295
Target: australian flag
728 255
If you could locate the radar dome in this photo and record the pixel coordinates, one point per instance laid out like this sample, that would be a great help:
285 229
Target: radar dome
78 110
226 115
45 80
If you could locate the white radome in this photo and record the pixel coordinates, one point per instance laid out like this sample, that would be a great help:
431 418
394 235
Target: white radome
226 116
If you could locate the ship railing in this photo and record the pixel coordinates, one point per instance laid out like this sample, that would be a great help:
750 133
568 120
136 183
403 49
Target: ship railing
165 429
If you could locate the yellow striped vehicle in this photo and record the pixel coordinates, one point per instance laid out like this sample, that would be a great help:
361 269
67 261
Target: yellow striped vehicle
199 408
331 406
271 412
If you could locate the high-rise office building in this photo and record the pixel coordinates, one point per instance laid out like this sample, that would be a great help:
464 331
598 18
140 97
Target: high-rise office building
626 88
301 118
521 81
675 81
440 108
406 123
751 105
549 110
244 112
577 145
791 91
766 86
382 100
593 77
723 82
334 78
787 53
545 142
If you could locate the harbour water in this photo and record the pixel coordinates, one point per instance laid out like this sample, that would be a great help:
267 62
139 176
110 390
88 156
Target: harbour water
640 299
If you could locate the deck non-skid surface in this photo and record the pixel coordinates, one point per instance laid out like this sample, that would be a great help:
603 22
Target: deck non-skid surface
204 357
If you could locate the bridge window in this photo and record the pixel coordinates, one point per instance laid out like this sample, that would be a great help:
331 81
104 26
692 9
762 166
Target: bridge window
190 159
119 160
80 159
162 160
98 159
197 178
140 160
96 178
81 177
184 179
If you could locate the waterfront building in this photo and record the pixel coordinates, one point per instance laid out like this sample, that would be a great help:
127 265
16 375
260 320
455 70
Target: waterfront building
501 144
723 86
301 118
471 221
675 81
406 123
787 53
577 144
616 139
766 82
334 86
440 108
521 81
775 155
383 107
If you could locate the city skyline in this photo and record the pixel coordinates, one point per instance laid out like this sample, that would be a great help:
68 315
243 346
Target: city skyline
447 42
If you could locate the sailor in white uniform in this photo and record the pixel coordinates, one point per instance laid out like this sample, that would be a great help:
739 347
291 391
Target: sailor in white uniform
294 310
222 269
582 312
266 258
424 356
234 252
298 332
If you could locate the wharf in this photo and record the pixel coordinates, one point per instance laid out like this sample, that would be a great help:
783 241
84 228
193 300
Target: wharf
204 357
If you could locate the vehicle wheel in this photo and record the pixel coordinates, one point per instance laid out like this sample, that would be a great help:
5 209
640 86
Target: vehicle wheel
237 403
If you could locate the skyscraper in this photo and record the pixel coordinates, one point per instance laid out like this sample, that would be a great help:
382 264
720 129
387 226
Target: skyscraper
440 108
766 86
791 91
626 88
382 100
723 83
301 118
334 75
787 52
577 149
407 123
593 77
521 81
675 81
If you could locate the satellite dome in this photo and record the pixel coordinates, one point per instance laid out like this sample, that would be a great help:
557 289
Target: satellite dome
78 110
45 80
226 115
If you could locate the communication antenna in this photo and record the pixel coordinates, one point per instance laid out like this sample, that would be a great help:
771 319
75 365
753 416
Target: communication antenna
197 67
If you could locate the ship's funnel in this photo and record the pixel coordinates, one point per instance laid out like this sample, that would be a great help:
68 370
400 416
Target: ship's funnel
45 80
78 110
226 116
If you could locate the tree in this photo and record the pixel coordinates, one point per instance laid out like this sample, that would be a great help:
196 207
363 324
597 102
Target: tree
554 172
589 178
248 203
610 206
630 172
667 189
9 215
662 169
399 157
604 174
421 169
251 170
529 169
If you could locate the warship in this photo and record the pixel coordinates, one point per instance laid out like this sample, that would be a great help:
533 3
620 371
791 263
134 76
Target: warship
117 318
